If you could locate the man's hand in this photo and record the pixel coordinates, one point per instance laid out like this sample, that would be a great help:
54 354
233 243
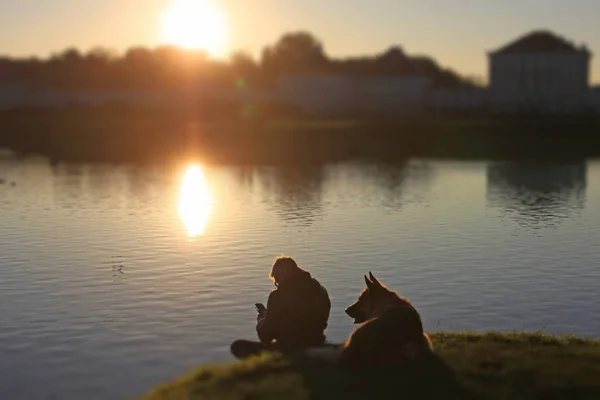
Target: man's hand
268 323
261 310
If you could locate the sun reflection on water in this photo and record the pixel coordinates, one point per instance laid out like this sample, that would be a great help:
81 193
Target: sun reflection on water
195 201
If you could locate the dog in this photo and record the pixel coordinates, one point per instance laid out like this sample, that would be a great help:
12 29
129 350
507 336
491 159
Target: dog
390 332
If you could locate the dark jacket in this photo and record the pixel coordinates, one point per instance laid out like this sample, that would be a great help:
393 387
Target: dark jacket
296 315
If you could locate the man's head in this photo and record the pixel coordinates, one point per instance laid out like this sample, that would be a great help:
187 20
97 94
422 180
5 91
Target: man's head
285 270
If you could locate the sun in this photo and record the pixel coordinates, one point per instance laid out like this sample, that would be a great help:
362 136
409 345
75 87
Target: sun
195 24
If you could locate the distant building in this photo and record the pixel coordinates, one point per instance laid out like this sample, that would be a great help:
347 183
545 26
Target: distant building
395 95
459 100
319 93
13 94
539 72
595 98
339 94
25 95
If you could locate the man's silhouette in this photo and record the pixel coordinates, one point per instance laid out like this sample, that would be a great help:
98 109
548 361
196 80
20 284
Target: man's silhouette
296 314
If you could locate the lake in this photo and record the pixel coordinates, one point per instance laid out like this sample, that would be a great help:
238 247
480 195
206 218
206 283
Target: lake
115 278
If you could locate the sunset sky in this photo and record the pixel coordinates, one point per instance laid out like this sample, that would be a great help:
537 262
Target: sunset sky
457 33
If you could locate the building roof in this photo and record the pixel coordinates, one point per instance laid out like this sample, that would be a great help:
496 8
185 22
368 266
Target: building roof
539 42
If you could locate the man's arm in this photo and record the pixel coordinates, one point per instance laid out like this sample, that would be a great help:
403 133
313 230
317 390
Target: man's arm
267 327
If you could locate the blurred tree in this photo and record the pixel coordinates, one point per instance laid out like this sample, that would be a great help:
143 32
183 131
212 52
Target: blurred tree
245 69
294 52
167 67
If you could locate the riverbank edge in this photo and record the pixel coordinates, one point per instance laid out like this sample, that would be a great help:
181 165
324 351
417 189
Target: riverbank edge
111 136
491 365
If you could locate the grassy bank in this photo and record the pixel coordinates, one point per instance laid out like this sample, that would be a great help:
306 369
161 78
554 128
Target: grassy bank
490 366
123 135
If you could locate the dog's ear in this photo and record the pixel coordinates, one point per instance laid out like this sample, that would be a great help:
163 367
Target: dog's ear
368 282
374 281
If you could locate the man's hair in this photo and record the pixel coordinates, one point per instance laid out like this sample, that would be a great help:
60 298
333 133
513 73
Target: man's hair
284 269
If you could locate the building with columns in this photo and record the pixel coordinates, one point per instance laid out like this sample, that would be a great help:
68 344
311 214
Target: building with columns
540 73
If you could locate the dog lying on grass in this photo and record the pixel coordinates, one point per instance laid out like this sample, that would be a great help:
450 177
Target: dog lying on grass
391 331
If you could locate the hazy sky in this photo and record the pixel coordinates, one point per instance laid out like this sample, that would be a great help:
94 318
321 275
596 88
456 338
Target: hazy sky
455 32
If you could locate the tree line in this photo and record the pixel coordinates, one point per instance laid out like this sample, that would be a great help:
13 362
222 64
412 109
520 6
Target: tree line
168 67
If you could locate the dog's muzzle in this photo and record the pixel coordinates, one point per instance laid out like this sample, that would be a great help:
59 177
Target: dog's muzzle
356 313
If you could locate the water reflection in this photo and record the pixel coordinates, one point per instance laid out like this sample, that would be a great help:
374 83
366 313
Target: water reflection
103 185
294 193
244 176
195 201
535 194
69 176
69 183
400 183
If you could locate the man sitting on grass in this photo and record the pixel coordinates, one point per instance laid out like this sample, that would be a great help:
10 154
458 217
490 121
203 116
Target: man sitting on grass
296 314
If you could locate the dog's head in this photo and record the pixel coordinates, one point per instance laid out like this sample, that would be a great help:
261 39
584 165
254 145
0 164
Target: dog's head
373 300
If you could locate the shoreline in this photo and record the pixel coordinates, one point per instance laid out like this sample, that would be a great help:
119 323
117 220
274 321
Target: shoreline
489 365
123 136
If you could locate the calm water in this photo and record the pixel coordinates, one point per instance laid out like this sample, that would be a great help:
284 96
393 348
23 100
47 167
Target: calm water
113 279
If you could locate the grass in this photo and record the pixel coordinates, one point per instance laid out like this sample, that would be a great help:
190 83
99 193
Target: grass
469 365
